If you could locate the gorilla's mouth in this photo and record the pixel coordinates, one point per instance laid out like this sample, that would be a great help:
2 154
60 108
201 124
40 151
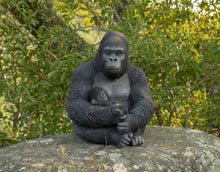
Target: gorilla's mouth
113 69
113 65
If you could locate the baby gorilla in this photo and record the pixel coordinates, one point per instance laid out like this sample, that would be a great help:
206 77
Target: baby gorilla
98 96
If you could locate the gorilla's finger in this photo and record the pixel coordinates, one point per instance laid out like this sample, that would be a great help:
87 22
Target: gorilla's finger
118 112
122 129
125 142
141 140
136 140
133 142
127 138
118 146
130 134
122 144
122 117
123 124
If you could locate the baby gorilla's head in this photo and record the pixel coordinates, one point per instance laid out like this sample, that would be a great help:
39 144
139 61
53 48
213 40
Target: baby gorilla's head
98 94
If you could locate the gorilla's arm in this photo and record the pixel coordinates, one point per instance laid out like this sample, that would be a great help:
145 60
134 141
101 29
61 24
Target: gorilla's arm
141 110
80 110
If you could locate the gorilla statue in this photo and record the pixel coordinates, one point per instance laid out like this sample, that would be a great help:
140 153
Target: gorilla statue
118 124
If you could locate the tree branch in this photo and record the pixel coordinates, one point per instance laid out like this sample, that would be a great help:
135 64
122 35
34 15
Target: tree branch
119 9
204 79
53 55
187 118
116 14
31 69
157 112
19 29
90 10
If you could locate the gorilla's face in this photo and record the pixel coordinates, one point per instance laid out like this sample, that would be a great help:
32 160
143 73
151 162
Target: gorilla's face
114 57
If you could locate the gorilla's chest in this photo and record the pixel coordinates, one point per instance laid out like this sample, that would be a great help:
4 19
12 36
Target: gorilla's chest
118 88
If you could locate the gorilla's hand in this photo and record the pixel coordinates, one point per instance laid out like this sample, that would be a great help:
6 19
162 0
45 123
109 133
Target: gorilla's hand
124 125
113 101
119 110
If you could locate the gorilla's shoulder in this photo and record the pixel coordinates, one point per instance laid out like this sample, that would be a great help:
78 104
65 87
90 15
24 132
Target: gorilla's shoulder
135 72
85 70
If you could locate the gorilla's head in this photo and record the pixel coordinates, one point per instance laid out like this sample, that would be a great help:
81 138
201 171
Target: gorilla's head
113 55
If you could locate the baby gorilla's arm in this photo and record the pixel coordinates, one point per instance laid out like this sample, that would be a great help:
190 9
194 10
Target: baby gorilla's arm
104 102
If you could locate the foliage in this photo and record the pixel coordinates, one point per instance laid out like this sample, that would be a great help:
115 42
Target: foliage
177 48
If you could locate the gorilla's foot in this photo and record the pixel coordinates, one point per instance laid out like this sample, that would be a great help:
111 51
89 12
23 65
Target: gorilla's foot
123 140
137 140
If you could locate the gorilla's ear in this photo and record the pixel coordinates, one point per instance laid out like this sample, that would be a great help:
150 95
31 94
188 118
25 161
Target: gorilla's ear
97 57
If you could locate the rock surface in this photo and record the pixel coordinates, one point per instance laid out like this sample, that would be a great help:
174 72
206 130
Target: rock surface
165 149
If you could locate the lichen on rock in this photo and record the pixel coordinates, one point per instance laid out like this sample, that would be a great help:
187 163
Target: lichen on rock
165 149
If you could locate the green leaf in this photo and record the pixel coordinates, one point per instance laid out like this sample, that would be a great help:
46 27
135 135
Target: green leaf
52 74
62 63
49 19
63 77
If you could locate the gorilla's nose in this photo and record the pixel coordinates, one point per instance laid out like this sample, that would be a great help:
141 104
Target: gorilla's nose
113 59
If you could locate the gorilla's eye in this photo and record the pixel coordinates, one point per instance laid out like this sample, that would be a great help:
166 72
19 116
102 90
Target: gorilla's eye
107 51
118 52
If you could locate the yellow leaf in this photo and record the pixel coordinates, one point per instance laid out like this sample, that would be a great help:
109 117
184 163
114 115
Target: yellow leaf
91 160
136 15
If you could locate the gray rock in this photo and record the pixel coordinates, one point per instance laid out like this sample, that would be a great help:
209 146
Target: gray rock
165 149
